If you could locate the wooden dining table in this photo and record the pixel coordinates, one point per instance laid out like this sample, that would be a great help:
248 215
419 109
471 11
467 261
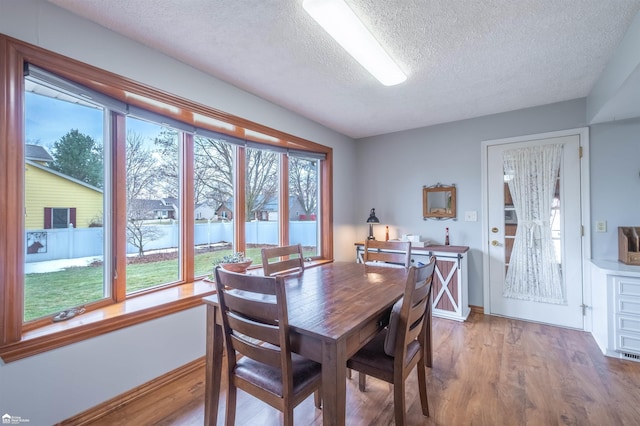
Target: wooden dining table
334 309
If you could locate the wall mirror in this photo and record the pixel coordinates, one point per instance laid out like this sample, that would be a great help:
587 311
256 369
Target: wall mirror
439 202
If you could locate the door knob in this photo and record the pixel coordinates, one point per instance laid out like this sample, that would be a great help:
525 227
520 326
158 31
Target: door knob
495 243
494 230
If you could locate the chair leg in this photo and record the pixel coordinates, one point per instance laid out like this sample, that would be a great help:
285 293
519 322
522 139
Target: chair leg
317 398
428 337
231 405
398 403
288 416
349 373
422 387
362 381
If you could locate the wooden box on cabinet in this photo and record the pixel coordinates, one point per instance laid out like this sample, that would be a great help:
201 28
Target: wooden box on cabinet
629 245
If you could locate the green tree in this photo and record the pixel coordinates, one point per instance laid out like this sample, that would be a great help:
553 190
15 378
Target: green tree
79 156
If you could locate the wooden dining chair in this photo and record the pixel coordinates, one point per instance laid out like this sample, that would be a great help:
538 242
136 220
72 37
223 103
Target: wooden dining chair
393 353
387 253
256 327
373 254
285 259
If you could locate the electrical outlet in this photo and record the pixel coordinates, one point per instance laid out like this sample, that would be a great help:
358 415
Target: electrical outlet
601 226
471 216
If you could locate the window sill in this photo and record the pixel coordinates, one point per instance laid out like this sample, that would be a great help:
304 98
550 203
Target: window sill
113 317
110 318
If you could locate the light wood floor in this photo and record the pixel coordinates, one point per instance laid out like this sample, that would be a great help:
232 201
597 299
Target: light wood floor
487 371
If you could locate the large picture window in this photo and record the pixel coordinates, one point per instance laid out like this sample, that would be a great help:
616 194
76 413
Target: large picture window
126 190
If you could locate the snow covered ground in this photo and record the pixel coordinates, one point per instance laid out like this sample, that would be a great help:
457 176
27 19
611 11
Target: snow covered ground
58 265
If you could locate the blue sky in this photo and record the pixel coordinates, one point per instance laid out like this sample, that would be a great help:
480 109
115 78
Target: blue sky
47 120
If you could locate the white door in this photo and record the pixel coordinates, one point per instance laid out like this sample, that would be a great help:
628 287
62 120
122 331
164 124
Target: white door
566 234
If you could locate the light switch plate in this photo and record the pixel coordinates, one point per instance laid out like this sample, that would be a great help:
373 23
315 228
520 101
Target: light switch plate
471 216
601 226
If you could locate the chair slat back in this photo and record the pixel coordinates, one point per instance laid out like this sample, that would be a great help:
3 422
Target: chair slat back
415 308
379 251
288 259
264 311
254 318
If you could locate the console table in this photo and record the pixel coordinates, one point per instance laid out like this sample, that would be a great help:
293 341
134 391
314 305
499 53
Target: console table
450 285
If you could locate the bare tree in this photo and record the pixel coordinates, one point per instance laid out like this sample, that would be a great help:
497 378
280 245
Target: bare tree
140 233
214 174
213 170
262 180
141 182
303 183
167 162
141 169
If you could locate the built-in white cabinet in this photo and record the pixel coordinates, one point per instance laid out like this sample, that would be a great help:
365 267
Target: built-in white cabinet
450 283
616 308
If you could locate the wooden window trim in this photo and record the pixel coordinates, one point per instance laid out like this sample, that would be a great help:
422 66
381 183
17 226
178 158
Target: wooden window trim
132 311
16 341
106 319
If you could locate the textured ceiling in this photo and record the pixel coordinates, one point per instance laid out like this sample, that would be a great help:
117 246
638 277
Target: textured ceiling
463 58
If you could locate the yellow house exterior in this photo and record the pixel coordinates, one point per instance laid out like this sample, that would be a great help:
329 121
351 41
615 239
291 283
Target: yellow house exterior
48 189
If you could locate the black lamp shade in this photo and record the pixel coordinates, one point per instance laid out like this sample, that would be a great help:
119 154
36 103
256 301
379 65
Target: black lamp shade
372 217
371 220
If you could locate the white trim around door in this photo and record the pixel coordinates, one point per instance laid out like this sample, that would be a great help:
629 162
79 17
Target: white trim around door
583 134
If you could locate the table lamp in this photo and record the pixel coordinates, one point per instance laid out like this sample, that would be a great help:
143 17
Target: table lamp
372 219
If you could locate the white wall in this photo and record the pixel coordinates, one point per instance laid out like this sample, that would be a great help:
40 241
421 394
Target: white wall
58 384
393 168
55 385
615 183
615 95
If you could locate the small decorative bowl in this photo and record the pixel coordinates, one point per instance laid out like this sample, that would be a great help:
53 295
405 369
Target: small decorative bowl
238 266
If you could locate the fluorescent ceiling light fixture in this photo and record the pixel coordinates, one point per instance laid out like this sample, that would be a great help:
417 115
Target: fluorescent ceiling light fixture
344 26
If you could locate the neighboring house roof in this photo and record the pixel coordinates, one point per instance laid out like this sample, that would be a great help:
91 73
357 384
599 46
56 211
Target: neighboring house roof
205 205
62 175
150 205
37 153
227 205
270 205
170 201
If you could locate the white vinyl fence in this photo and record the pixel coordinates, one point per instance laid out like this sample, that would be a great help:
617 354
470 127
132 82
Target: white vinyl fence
69 243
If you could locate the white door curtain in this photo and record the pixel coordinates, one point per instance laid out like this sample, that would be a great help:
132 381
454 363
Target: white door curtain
534 273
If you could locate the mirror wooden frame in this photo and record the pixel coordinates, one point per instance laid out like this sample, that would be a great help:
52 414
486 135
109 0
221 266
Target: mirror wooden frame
429 211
